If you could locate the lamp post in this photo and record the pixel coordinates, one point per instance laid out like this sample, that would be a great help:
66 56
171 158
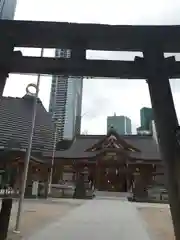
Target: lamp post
28 152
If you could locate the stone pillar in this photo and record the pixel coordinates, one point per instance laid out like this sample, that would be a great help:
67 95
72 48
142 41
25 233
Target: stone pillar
5 215
156 70
6 51
78 54
140 186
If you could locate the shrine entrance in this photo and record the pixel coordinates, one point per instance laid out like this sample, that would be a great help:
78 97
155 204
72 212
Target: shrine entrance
112 179
112 172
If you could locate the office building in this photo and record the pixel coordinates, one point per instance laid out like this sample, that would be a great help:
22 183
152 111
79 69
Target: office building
146 116
121 124
7 9
66 101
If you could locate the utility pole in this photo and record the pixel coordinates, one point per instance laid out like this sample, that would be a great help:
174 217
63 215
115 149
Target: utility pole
28 153
53 158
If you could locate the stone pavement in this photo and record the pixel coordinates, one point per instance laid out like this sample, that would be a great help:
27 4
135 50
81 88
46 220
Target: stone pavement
97 219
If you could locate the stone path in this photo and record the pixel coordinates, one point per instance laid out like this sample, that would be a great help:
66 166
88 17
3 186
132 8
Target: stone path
97 219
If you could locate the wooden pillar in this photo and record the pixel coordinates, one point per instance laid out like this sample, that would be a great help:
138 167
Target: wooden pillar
6 51
156 68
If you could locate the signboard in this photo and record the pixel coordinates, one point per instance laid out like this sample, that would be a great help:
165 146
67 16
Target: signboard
68 168
110 156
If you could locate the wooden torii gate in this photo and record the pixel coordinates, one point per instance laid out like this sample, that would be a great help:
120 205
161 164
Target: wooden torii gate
153 41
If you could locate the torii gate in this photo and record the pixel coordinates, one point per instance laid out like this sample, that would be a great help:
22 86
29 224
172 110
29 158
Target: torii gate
153 41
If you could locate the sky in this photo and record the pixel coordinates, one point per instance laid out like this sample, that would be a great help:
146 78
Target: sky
101 97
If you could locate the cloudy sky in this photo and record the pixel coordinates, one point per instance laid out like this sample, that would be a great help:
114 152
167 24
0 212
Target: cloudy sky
101 97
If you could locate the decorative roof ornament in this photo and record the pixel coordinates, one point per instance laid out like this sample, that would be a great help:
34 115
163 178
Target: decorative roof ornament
112 142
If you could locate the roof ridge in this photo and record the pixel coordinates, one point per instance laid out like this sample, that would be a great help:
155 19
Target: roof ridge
11 97
21 98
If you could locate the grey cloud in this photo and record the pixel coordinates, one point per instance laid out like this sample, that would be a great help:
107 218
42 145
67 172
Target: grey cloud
94 107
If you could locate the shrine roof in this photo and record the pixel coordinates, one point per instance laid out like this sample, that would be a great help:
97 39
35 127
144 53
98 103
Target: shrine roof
15 124
87 146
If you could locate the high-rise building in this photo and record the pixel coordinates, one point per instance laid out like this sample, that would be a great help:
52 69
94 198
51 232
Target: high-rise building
121 124
66 101
146 115
7 9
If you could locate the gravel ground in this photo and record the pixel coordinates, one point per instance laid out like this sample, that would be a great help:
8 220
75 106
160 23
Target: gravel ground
37 214
158 221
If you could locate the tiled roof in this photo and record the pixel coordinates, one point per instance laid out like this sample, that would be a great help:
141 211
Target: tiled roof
146 144
15 124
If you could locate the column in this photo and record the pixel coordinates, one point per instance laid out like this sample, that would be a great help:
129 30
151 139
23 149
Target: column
6 51
156 70
78 50
140 188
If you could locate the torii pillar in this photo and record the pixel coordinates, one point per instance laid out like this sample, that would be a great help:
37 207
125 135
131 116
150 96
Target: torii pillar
6 53
156 70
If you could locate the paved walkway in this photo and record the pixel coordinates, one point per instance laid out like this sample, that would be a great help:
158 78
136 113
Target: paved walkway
97 219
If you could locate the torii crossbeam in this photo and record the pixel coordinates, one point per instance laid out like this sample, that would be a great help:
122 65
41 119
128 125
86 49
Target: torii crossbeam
153 41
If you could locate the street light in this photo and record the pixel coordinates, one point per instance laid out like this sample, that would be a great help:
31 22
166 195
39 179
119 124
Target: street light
28 152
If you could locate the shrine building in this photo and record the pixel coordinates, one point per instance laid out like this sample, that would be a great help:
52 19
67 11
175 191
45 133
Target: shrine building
111 161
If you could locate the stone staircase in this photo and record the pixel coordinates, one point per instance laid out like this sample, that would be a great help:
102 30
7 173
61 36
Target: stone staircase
112 195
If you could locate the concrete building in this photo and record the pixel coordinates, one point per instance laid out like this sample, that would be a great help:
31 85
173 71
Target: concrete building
66 101
7 9
121 124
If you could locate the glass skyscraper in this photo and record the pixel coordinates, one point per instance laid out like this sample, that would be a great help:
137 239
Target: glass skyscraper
7 9
121 124
66 101
146 115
